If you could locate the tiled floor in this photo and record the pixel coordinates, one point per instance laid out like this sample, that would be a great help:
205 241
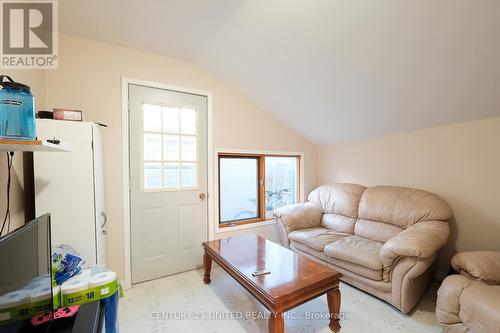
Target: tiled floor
178 302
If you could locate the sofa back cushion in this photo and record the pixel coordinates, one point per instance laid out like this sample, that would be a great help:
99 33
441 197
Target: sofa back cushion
377 231
377 213
402 207
339 223
339 203
338 199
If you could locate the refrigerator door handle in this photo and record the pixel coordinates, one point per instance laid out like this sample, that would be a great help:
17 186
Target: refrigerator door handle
105 219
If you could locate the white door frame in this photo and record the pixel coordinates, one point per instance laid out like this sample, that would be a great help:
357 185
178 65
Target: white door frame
126 81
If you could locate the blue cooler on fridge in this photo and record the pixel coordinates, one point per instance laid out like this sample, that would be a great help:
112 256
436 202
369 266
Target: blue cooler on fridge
17 110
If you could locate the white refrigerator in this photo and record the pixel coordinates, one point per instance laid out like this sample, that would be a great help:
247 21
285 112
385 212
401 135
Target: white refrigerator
70 186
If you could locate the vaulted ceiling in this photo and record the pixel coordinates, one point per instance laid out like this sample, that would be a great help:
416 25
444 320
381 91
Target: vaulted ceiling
333 70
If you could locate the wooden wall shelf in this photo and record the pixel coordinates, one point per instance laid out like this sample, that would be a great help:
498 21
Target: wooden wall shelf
33 145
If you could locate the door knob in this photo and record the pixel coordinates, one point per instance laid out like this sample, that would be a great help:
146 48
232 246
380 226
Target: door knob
202 196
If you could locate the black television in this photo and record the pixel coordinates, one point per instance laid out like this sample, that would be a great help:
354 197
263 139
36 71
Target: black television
25 275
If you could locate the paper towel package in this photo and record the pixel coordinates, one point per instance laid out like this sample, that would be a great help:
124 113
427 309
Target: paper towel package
101 281
94 284
37 296
74 285
14 299
32 299
40 294
11 301
89 285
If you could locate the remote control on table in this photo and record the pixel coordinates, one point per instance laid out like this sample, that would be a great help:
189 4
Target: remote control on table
261 272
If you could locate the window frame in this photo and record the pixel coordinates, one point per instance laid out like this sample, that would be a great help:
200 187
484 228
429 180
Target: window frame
261 185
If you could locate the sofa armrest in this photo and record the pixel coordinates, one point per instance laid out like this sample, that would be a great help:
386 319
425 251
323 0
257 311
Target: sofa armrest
420 240
482 265
448 299
299 216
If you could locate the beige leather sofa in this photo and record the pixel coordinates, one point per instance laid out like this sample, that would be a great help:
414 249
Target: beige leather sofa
470 301
383 239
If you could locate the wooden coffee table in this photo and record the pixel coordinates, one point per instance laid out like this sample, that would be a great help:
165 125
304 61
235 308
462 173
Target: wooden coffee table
293 279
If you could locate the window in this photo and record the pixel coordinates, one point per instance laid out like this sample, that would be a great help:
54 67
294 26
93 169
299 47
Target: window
280 182
170 148
252 186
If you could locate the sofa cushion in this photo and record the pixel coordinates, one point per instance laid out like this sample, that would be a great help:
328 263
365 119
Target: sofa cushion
315 238
402 206
353 268
357 250
377 231
366 272
340 199
338 223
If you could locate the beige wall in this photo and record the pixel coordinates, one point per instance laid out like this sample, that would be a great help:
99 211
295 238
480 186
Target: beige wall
89 78
21 180
460 162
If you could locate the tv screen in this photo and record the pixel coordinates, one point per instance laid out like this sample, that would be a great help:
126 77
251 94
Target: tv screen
25 275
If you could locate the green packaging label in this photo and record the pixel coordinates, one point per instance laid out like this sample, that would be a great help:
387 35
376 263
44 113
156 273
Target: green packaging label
25 311
91 294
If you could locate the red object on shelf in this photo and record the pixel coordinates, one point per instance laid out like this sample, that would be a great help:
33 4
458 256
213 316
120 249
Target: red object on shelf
66 114
58 314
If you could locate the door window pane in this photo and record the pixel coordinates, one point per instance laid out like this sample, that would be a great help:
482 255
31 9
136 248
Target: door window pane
171 148
188 148
171 175
151 117
281 182
170 120
188 121
152 147
188 175
238 188
170 139
152 176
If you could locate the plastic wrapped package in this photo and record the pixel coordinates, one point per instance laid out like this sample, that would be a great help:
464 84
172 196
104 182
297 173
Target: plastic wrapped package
66 262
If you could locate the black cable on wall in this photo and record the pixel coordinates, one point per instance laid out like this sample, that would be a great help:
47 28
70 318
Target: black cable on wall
6 220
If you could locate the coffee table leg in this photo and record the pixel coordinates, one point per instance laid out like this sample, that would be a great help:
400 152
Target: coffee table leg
333 297
207 264
276 323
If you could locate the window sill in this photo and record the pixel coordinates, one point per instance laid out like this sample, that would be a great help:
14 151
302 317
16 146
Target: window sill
220 230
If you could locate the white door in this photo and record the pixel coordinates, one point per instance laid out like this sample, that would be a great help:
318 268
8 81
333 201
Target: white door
168 181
